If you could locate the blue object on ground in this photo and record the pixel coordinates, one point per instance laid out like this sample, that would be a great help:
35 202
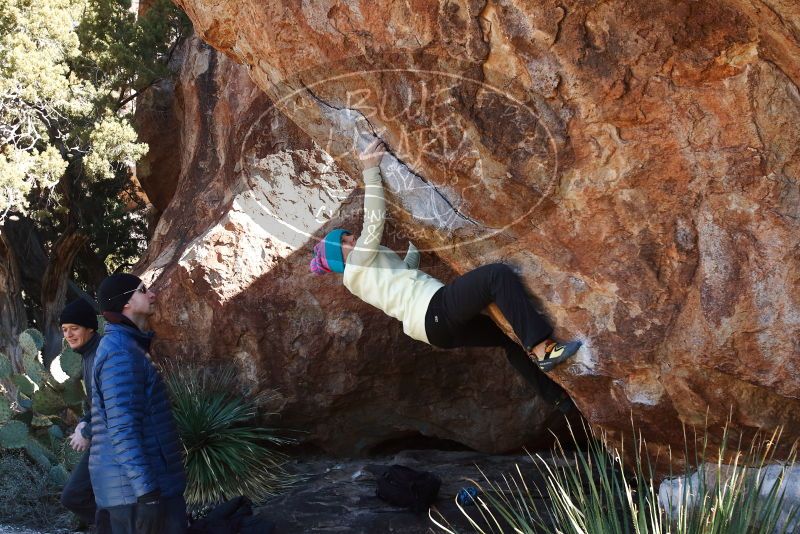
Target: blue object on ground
466 495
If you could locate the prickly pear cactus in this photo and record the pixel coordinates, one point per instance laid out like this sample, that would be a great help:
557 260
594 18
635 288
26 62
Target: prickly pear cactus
13 435
47 401
31 341
24 385
24 402
41 421
34 369
41 403
71 363
5 411
73 392
55 433
39 453
38 337
58 475
6 370
101 325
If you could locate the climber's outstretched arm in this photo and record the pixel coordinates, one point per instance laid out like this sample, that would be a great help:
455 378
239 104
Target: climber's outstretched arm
374 207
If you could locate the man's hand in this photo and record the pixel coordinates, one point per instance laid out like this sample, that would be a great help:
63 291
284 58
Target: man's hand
76 439
371 157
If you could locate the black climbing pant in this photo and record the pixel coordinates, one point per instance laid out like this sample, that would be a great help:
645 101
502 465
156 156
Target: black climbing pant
454 319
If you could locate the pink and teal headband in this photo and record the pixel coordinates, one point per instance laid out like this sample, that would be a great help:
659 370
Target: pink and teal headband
328 254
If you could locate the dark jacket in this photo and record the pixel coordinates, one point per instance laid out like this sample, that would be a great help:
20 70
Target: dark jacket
87 352
135 446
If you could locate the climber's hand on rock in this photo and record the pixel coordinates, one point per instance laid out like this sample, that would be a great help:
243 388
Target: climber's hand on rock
371 156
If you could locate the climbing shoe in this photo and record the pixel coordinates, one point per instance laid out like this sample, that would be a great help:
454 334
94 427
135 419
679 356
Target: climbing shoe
555 353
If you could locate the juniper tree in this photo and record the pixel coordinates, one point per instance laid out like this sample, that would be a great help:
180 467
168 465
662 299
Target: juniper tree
70 71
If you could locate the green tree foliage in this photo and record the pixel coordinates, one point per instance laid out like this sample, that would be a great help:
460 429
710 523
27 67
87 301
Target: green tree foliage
36 41
70 71
69 67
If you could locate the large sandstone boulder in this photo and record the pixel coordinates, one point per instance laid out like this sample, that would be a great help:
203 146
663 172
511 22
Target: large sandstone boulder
637 161
229 258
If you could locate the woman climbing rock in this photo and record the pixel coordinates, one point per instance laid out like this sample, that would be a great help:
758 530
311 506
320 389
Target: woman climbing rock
442 315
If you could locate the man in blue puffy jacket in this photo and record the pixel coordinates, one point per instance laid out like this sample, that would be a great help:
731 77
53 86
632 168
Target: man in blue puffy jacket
136 459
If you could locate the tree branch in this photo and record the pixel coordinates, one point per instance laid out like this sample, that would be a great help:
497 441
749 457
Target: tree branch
137 93
54 288
13 319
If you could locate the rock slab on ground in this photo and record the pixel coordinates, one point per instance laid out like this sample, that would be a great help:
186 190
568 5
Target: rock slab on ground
340 497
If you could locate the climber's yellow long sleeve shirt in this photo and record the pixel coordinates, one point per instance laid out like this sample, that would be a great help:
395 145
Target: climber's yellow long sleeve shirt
378 276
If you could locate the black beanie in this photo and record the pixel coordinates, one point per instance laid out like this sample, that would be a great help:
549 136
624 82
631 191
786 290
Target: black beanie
79 312
116 290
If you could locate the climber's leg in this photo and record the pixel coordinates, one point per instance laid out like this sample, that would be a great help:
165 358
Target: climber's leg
481 331
466 296
548 389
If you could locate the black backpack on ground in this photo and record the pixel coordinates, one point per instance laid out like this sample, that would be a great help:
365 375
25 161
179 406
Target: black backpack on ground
403 486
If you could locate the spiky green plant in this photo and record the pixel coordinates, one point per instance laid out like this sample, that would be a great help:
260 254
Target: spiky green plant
39 453
227 452
591 491
744 489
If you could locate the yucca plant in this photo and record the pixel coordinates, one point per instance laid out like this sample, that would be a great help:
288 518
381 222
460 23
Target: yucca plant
227 452
743 492
591 491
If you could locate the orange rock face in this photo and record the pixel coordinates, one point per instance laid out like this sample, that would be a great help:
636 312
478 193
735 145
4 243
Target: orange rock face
638 163
229 259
